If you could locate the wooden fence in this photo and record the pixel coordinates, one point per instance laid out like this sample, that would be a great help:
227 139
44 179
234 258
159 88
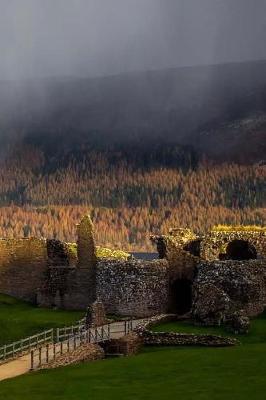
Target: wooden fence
71 338
67 331
15 349
46 346
50 352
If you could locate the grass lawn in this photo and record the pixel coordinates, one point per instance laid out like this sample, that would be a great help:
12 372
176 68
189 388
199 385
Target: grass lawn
234 373
19 319
257 332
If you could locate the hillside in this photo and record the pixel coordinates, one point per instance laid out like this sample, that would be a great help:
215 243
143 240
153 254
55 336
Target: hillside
143 152
218 110
130 195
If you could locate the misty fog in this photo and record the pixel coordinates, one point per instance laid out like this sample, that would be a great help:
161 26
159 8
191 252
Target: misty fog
101 37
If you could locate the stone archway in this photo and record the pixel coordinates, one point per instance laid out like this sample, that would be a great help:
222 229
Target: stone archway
180 296
240 250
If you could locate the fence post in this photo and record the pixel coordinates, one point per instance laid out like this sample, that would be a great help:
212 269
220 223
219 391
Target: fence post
47 353
57 334
87 336
32 360
54 350
40 356
61 348
125 328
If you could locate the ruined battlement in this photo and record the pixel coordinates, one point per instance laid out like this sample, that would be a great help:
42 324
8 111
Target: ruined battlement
52 273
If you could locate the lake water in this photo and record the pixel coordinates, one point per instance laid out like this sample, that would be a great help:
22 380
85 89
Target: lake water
145 256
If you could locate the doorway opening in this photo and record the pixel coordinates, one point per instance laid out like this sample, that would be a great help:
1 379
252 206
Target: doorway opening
181 296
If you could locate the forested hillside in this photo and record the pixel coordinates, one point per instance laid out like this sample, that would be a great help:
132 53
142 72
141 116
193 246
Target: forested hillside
130 194
142 151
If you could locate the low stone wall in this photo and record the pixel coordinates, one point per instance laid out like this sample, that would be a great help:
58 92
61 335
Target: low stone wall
85 353
127 345
133 288
178 339
185 339
222 288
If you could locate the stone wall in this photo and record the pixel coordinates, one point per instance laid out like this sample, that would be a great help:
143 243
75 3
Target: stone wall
23 263
222 288
133 288
215 243
95 315
177 248
151 338
85 353
185 339
67 287
59 254
128 345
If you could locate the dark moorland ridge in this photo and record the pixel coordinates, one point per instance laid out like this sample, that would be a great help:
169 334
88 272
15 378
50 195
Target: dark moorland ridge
215 110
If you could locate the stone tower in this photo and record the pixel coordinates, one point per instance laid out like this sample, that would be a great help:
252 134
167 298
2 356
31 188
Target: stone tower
86 246
85 274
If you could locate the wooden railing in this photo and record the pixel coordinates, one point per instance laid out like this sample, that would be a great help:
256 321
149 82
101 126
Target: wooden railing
68 331
70 338
50 352
46 346
15 349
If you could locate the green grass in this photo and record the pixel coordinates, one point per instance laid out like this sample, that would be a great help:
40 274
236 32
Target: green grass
19 319
233 373
257 332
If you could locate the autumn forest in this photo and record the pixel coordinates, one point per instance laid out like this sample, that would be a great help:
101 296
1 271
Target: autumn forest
127 201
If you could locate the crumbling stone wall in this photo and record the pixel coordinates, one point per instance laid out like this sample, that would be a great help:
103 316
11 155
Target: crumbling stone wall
59 254
177 248
214 245
67 287
133 288
95 315
23 263
222 288
128 345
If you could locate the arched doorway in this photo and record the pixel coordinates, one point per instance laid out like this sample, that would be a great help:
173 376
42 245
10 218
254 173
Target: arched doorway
240 250
181 296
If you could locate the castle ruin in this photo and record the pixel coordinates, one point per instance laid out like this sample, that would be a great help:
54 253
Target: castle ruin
209 276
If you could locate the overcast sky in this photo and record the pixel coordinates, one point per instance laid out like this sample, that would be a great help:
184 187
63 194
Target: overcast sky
98 37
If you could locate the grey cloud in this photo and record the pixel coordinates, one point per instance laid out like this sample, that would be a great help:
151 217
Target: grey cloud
98 37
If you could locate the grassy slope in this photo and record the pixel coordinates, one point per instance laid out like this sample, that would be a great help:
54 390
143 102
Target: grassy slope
236 373
19 319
